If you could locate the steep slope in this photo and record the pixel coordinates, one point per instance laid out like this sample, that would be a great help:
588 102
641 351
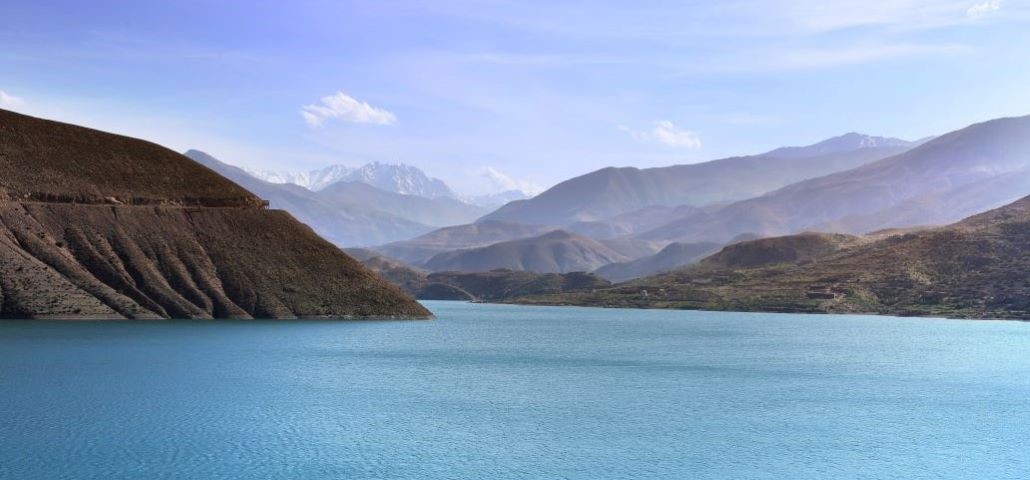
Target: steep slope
553 252
673 256
341 223
976 268
95 225
614 191
436 212
995 155
420 249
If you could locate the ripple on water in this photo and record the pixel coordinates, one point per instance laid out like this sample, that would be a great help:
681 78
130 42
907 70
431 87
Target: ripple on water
500 392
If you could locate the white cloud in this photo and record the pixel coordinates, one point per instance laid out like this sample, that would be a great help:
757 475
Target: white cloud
984 8
10 101
347 108
669 134
666 133
503 182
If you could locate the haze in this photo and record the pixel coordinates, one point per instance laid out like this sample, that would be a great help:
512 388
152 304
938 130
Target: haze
494 95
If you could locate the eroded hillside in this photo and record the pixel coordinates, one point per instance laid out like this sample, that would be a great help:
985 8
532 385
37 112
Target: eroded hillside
95 225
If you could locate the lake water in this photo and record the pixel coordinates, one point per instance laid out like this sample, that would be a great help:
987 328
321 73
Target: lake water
506 392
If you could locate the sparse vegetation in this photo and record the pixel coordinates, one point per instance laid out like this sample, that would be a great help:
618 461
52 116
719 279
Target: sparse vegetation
974 269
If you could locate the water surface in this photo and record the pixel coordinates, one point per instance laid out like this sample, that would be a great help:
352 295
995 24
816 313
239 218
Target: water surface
508 392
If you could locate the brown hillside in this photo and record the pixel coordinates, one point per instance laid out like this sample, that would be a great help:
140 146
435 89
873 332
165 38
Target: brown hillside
104 226
52 161
976 268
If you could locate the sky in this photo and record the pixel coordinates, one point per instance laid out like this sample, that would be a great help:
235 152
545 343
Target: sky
494 94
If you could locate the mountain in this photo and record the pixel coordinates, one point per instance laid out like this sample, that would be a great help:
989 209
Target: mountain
500 284
845 143
400 178
552 252
340 222
96 225
976 268
436 212
938 207
633 248
802 247
613 191
473 286
311 180
410 278
420 249
673 256
641 220
495 200
966 171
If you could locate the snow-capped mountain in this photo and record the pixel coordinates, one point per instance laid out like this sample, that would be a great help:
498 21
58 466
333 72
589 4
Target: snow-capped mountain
398 178
401 179
312 180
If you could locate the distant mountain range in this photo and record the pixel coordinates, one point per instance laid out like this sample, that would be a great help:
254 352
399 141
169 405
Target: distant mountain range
419 250
851 184
845 225
351 213
435 212
396 178
673 256
975 268
964 172
340 223
625 223
610 192
473 286
848 142
553 252
495 200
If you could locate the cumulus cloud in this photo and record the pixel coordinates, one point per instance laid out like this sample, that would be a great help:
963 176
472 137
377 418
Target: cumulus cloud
10 101
666 133
347 108
503 182
984 8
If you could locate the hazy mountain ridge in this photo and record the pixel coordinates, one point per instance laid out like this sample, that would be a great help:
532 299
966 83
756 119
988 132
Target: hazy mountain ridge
341 223
496 200
975 268
844 143
611 191
473 286
994 151
435 212
673 256
396 178
553 252
420 249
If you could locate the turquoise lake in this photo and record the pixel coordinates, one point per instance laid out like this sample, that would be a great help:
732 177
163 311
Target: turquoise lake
508 392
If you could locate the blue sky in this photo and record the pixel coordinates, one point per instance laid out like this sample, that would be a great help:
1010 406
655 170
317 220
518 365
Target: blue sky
536 91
